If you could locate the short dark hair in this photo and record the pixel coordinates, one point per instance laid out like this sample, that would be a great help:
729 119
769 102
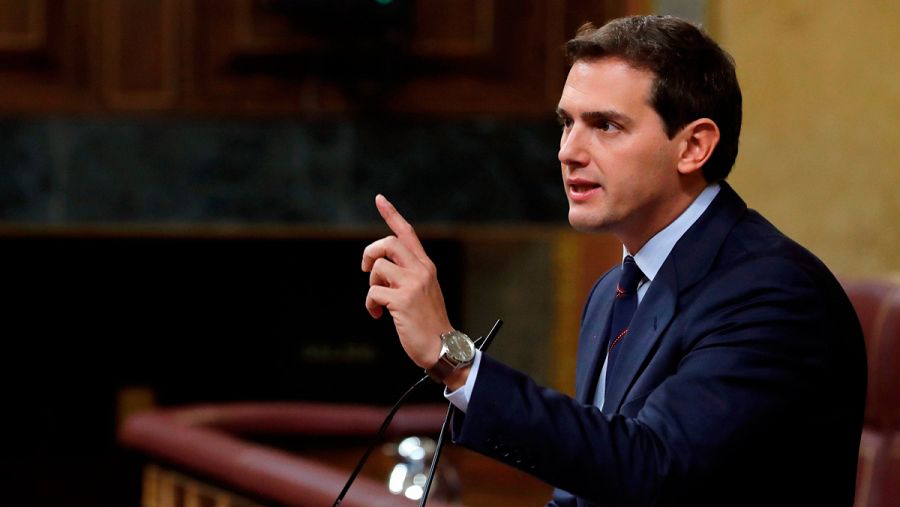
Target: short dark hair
694 77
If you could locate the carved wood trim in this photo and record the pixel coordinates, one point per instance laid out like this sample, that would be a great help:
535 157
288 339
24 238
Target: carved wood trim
34 36
115 93
479 43
247 39
554 31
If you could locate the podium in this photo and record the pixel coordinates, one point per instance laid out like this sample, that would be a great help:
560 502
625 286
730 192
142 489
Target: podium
206 453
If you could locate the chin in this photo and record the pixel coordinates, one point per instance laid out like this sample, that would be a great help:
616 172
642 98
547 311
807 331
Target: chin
582 222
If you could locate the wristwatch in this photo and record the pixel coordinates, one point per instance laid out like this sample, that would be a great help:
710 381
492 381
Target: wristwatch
457 350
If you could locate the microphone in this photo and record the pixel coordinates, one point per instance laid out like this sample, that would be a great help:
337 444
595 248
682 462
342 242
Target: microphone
440 443
482 344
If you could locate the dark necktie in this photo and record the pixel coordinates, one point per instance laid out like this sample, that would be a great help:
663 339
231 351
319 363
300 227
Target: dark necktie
623 309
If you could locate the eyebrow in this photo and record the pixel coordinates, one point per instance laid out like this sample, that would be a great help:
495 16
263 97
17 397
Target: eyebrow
595 116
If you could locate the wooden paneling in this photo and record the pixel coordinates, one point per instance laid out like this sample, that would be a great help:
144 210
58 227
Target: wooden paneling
44 56
23 25
443 57
455 28
139 58
278 57
239 60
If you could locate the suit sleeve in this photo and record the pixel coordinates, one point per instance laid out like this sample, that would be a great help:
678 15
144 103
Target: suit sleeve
562 499
749 353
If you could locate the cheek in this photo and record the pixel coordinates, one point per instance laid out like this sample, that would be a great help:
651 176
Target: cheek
633 171
653 157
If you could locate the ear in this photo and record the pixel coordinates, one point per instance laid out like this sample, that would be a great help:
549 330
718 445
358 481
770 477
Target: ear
699 138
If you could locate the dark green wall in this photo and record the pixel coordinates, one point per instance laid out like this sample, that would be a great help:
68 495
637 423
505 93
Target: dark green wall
76 170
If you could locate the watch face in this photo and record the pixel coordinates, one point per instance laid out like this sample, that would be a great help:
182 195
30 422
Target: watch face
459 347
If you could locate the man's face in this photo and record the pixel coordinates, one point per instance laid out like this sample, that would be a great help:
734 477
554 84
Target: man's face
618 166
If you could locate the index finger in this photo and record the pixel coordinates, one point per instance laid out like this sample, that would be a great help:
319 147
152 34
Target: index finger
402 229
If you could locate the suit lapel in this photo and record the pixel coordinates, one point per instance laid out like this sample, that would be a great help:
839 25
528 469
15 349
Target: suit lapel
687 264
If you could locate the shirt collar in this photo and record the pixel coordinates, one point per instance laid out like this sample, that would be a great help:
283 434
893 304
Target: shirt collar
652 255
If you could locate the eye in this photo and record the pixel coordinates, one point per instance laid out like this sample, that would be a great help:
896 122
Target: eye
608 126
564 121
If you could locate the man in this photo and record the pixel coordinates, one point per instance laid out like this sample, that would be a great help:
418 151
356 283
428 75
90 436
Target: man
720 364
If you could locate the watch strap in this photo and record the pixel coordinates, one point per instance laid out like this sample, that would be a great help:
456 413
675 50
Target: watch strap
441 370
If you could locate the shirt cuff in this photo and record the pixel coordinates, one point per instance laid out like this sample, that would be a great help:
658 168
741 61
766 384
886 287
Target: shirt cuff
460 398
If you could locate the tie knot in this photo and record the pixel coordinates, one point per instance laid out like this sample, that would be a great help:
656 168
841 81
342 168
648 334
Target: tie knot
631 276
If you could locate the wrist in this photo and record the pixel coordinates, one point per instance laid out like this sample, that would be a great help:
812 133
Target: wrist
456 353
458 378
436 347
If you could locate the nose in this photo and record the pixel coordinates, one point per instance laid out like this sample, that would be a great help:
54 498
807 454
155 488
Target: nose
573 148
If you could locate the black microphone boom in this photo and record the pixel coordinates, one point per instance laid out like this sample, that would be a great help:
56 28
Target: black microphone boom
440 443
485 342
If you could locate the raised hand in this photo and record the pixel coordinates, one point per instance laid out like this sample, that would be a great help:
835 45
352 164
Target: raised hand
404 280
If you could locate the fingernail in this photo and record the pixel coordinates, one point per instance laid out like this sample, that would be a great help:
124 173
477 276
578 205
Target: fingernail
385 199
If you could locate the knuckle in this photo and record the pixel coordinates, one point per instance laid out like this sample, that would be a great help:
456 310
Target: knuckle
420 286
388 244
370 251
372 299
374 245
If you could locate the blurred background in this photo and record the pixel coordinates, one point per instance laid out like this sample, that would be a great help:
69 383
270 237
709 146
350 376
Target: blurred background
186 188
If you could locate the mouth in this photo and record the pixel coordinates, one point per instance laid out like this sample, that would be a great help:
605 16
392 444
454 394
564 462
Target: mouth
580 190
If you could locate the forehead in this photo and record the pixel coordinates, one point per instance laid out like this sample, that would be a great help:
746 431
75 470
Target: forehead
606 83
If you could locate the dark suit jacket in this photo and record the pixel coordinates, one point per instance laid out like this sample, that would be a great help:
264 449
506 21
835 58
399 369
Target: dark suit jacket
741 382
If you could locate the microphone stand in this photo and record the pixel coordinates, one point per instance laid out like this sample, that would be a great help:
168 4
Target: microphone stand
387 421
440 443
